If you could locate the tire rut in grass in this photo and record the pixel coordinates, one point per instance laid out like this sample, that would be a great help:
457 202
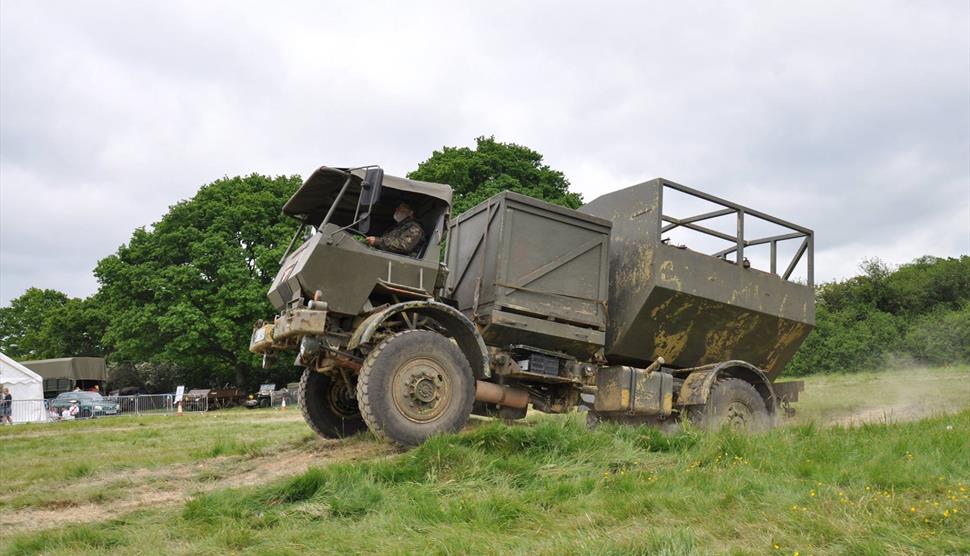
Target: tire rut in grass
175 484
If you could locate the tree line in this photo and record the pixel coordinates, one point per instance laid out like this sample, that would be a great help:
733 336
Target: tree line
176 303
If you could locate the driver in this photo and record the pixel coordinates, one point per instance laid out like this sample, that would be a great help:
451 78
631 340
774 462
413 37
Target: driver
405 237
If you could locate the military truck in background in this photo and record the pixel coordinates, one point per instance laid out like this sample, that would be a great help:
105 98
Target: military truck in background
65 374
534 304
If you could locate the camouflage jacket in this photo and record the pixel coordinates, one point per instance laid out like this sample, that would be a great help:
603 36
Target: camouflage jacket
403 238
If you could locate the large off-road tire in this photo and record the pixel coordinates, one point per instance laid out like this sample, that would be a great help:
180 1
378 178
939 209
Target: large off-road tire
733 403
413 385
328 406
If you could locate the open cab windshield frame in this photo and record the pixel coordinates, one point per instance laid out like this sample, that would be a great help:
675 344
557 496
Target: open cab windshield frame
362 200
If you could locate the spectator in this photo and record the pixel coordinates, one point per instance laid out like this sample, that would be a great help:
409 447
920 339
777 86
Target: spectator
6 407
70 412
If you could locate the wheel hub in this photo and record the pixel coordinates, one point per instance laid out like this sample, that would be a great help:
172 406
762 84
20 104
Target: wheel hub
738 415
421 390
424 389
343 399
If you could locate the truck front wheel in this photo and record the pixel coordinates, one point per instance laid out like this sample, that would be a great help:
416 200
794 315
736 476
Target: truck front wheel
413 385
328 405
733 403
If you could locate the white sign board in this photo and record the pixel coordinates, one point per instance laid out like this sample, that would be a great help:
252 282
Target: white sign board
179 392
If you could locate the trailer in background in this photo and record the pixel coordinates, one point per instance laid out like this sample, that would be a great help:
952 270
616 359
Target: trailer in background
64 374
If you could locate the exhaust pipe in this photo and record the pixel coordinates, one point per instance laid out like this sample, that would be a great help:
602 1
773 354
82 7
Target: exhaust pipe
501 395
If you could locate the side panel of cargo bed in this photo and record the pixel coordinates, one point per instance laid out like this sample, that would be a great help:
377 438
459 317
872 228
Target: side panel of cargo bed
532 273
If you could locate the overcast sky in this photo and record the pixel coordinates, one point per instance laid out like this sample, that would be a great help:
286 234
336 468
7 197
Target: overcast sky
852 118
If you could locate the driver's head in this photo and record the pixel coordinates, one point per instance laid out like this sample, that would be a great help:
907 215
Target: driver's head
403 212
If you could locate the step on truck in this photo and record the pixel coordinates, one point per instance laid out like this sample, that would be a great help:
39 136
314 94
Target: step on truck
533 305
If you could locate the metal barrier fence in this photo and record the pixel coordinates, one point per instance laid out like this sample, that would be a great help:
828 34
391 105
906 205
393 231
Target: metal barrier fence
277 397
44 411
27 411
195 404
157 403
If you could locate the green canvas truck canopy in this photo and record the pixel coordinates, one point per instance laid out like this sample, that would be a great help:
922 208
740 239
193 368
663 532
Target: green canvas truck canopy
74 368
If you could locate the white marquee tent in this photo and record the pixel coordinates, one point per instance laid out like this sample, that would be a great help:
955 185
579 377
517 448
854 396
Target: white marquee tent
27 389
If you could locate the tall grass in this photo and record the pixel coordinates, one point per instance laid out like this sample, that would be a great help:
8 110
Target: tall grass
556 488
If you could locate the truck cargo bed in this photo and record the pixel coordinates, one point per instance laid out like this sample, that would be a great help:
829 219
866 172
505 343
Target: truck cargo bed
693 308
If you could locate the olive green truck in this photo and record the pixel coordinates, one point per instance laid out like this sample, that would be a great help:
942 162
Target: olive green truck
534 304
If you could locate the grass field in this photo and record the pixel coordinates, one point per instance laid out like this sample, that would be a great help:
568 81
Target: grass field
872 464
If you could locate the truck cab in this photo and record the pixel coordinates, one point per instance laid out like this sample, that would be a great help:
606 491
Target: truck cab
336 209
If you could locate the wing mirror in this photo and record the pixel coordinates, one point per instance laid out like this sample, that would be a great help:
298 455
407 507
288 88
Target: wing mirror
370 191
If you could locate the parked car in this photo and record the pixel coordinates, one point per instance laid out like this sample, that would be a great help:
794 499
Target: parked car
90 404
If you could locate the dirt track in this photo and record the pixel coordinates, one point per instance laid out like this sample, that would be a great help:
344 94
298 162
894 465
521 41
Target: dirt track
889 414
175 484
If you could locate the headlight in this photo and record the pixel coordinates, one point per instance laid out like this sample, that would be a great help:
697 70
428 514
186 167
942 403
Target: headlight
97 408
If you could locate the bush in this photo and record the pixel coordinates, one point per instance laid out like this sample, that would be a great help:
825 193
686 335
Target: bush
940 337
920 311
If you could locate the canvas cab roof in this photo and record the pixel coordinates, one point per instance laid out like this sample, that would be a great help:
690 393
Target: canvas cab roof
311 202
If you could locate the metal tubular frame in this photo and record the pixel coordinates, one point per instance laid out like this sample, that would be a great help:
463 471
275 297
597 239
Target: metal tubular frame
807 236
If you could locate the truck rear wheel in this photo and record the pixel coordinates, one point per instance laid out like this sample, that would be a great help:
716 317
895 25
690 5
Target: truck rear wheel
733 403
413 385
328 405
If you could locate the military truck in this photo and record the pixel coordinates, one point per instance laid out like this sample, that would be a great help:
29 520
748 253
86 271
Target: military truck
534 305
